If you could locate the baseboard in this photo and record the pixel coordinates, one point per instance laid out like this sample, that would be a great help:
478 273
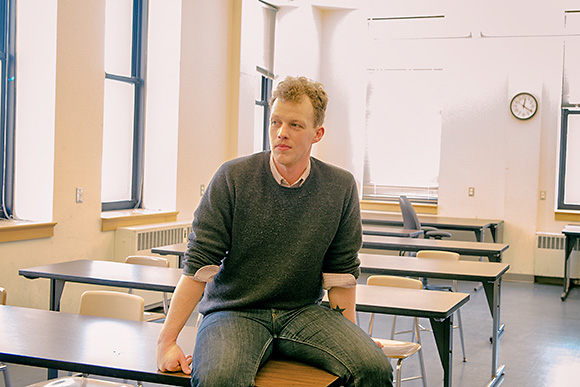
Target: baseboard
517 277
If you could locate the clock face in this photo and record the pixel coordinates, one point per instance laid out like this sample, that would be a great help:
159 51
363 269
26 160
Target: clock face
523 106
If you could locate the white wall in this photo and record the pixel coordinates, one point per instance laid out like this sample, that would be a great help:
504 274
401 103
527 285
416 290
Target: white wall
494 52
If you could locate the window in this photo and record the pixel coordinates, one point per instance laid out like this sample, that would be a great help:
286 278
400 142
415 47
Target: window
263 108
405 78
124 107
569 173
7 106
403 134
266 20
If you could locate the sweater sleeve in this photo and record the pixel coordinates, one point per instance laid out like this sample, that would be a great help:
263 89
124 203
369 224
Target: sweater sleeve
210 238
342 255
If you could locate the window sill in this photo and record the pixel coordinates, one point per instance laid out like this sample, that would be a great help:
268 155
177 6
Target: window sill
111 220
567 216
394 207
21 230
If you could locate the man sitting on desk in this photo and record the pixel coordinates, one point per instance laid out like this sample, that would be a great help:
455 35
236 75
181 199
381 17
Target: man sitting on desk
271 231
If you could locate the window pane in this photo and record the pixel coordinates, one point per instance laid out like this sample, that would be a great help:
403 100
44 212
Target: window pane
403 142
118 37
117 141
572 189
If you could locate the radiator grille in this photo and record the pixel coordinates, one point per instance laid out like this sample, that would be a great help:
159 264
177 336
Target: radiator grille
154 238
553 241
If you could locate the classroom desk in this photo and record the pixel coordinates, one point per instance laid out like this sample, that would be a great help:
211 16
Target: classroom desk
492 251
488 273
373 229
177 249
438 307
477 226
117 348
106 273
572 233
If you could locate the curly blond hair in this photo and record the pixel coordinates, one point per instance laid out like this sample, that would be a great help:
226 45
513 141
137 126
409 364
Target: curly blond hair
293 89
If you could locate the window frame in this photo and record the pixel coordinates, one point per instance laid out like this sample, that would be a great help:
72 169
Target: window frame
137 79
566 112
264 102
7 106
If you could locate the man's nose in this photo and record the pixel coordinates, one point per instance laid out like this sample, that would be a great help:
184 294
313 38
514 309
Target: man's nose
283 131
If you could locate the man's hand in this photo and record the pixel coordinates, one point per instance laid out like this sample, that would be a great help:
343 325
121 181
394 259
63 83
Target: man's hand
171 359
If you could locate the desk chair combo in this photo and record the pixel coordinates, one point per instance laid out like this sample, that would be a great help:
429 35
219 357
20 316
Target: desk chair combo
151 261
426 254
411 221
102 303
4 367
397 349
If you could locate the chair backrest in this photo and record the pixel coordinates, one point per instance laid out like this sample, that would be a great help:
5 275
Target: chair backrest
437 254
147 260
394 281
2 296
410 218
104 303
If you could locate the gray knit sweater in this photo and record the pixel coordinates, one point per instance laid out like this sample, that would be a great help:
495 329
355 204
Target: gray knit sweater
273 243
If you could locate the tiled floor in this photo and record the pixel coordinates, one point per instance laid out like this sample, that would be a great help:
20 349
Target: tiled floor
540 347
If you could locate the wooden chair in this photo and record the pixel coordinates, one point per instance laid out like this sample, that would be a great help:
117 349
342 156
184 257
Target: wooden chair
102 303
151 261
400 350
4 367
450 256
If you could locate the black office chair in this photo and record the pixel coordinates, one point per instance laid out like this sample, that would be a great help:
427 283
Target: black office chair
411 221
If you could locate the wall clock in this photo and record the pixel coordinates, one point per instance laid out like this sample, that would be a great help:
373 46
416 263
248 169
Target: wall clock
523 106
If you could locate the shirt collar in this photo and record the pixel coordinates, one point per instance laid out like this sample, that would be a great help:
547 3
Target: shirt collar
280 179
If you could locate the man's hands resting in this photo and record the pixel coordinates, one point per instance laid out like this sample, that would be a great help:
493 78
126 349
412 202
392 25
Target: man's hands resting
170 358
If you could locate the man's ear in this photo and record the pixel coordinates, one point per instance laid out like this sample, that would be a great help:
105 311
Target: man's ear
319 134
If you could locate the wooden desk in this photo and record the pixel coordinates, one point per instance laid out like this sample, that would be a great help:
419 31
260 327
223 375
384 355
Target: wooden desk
488 273
438 307
492 251
117 348
572 233
107 273
478 226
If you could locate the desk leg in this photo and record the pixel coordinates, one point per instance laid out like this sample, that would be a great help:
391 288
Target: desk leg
570 242
443 333
56 288
493 293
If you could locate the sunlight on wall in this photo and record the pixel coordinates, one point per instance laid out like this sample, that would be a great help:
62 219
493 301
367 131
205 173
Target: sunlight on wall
35 109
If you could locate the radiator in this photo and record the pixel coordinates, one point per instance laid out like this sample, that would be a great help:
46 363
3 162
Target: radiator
138 240
549 256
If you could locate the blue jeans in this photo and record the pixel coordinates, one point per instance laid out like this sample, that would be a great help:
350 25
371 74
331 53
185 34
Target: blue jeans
232 345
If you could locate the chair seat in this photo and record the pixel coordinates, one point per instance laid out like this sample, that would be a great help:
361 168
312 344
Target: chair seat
153 316
398 349
77 381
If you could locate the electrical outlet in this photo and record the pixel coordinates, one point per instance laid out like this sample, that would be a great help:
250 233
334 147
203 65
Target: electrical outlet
79 195
471 191
201 189
542 195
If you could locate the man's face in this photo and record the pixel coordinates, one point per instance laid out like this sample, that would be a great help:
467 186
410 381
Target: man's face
292 132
